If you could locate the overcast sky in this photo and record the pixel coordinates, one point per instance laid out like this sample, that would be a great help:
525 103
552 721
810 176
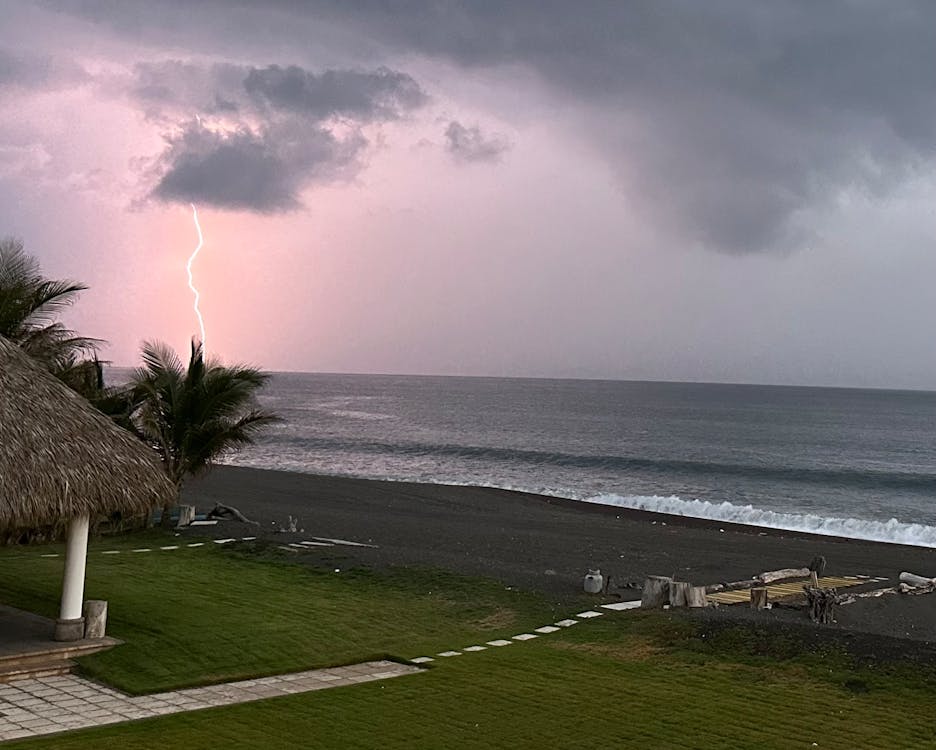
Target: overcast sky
718 191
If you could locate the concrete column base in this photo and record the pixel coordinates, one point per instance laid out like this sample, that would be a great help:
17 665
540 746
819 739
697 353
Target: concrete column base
69 630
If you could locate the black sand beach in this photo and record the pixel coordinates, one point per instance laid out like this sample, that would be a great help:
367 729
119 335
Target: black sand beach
547 544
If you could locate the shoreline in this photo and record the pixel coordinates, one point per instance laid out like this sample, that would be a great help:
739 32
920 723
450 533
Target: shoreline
547 544
619 510
298 494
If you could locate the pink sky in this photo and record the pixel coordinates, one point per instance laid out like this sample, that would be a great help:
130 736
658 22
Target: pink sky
569 226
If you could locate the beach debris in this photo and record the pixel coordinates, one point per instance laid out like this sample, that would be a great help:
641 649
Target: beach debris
655 592
778 575
873 594
227 513
291 527
820 603
906 588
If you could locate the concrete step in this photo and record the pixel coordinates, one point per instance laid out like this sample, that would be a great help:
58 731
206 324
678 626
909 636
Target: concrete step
34 670
48 659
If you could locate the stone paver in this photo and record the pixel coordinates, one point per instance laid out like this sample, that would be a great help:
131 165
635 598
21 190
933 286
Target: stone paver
30 708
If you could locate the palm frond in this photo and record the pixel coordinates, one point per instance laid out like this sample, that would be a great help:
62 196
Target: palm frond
196 414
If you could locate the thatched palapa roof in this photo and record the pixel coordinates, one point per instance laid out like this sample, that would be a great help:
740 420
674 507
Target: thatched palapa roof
61 458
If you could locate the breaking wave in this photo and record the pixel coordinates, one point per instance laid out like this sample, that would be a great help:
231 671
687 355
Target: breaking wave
893 531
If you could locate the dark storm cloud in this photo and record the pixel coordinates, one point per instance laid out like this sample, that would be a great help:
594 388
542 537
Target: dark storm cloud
284 139
729 120
471 145
243 170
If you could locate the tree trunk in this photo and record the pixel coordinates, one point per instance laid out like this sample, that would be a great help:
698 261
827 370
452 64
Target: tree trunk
186 515
758 598
678 591
165 520
695 597
821 604
95 616
655 592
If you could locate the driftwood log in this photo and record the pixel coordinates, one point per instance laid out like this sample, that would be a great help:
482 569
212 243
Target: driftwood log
820 603
778 575
655 592
912 579
227 513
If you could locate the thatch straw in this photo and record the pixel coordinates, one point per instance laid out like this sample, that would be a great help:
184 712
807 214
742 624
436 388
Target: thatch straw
61 458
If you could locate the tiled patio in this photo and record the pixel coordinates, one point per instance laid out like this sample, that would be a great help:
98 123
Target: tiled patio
34 707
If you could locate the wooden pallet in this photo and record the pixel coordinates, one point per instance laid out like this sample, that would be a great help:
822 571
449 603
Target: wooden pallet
789 588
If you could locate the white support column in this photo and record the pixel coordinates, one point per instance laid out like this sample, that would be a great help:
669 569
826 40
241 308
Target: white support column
70 625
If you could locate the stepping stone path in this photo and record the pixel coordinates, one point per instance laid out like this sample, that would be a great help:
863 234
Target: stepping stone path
537 632
29 708
307 544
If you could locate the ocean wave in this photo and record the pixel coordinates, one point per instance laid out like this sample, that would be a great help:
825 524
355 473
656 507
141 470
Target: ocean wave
894 531
856 478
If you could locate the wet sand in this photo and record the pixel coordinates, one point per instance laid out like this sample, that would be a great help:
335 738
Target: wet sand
547 544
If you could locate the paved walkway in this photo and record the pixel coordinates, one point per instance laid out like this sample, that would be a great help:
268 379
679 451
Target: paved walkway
29 708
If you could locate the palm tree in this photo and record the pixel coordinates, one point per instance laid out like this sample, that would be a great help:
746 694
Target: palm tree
192 416
29 307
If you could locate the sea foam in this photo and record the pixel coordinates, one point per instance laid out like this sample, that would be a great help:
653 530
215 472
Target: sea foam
894 531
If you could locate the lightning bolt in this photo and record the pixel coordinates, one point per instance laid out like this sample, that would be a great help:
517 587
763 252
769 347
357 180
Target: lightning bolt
191 281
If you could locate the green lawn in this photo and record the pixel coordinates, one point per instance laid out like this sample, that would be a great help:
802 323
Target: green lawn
596 684
642 680
191 616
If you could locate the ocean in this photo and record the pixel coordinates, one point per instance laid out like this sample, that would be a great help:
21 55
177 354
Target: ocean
845 462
